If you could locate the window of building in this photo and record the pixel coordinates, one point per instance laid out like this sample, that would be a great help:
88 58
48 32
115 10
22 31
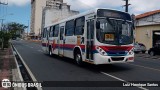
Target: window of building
79 28
69 31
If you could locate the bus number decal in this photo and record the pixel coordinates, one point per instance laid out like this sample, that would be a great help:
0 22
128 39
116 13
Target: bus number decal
109 37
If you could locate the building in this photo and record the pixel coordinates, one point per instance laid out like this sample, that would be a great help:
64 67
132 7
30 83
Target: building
148 28
36 17
55 11
45 12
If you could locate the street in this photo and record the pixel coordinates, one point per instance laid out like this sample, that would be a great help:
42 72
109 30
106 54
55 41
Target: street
46 68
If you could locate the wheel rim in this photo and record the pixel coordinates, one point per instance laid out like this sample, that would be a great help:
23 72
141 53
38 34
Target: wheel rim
152 53
50 53
78 58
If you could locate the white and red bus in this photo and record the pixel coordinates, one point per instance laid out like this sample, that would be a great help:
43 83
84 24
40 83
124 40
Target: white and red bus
99 36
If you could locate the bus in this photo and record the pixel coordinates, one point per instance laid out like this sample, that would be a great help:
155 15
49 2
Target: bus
99 36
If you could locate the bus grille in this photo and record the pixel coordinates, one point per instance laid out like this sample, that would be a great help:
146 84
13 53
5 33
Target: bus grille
123 53
117 58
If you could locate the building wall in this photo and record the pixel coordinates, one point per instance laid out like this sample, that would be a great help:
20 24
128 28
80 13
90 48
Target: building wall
150 20
53 15
145 27
33 3
40 4
144 34
36 16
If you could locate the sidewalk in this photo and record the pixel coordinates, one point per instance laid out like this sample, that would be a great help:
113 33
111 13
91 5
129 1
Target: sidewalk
8 68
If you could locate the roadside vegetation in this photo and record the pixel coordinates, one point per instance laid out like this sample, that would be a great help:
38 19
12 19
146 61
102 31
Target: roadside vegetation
10 31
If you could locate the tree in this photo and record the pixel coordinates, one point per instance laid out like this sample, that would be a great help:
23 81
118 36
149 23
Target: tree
9 31
16 29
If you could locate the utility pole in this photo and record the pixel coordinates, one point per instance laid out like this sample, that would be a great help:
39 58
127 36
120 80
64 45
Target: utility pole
2 24
2 19
2 39
28 29
126 5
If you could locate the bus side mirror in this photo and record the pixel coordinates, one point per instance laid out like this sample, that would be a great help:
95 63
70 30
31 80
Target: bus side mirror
133 21
98 24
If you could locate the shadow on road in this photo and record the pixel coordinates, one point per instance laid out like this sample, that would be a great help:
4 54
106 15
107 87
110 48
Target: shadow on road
95 68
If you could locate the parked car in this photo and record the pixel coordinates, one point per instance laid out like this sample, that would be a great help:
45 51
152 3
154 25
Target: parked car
139 47
154 50
13 38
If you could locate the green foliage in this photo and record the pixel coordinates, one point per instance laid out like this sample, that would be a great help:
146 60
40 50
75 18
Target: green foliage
4 38
11 30
16 29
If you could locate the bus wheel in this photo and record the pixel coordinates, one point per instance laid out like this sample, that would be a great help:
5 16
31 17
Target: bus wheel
50 52
78 59
152 53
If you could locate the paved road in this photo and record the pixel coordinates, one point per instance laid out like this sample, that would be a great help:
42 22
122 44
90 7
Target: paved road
46 68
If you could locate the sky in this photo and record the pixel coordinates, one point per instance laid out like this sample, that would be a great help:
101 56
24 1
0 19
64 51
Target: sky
20 10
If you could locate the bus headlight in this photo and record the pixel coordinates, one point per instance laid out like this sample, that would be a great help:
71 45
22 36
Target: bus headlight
131 52
101 51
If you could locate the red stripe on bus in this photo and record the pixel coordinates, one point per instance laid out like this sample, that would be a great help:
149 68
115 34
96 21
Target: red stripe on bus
116 48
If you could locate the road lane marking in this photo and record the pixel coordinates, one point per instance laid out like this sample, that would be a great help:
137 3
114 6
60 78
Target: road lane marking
40 50
121 79
148 57
145 67
26 66
26 45
17 66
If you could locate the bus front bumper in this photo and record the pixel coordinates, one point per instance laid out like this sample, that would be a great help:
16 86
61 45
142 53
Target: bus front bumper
99 59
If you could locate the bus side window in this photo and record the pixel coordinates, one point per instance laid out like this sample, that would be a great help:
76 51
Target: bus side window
42 33
79 28
53 29
50 32
61 33
56 31
69 28
92 29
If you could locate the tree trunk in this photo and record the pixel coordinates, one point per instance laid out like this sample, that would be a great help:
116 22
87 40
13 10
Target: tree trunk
2 47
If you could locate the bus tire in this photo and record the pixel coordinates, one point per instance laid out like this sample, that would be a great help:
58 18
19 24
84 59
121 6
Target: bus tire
78 58
50 51
152 53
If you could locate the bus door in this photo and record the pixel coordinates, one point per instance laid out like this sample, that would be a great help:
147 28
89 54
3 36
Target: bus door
45 40
90 40
61 41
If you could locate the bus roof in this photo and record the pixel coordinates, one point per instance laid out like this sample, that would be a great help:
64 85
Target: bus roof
82 14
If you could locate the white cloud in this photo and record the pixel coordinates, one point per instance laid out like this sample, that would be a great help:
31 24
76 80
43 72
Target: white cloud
89 4
17 2
141 6
136 7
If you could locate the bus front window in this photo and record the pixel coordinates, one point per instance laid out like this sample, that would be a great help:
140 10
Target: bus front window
115 32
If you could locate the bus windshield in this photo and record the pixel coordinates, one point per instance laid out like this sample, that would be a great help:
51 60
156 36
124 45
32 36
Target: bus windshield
114 31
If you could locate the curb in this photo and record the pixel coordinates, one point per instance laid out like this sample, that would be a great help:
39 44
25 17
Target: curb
17 66
27 68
